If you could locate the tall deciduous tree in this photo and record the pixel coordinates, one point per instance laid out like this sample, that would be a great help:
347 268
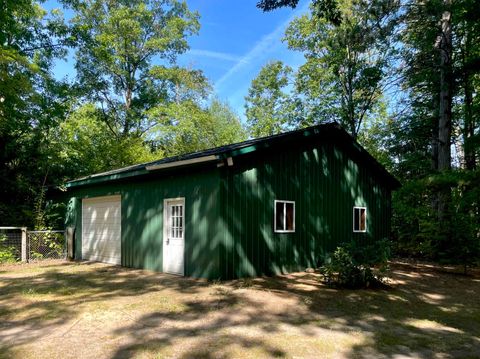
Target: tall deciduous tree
118 43
227 124
346 61
269 106
348 51
444 45
441 57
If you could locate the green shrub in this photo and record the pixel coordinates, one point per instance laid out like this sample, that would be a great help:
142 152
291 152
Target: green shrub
354 266
7 253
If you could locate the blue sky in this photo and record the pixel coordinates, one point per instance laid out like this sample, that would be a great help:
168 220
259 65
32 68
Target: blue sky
236 39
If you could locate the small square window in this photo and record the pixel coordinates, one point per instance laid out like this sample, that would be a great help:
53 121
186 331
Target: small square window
284 216
359 219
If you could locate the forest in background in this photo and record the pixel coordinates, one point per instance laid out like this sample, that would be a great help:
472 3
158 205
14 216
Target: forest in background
402 77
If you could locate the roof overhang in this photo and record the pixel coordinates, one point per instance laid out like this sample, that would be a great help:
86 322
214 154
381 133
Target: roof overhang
98 178
223 156
191 161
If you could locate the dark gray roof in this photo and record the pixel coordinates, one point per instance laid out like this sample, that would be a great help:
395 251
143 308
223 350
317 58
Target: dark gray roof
332 128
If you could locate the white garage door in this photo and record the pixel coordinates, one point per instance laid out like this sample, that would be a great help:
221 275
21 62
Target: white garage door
101 229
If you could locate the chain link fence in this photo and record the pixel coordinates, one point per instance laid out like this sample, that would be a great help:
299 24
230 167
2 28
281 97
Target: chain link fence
20 244
45 245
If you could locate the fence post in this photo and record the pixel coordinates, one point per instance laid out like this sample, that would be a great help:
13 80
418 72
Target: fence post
24 244
65 243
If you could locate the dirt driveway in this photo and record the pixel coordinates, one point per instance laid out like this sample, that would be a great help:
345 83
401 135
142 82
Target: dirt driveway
91 310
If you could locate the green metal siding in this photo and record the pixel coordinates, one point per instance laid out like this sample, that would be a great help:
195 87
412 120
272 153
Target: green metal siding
229 210
325 182
142 220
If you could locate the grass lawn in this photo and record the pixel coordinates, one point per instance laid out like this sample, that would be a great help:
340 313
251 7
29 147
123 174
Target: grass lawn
91 310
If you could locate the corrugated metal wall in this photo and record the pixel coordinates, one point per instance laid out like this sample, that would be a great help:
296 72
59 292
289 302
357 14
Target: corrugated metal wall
142 219
229 211
325 183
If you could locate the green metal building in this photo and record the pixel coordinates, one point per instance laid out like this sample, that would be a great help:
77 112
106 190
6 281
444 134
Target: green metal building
260 207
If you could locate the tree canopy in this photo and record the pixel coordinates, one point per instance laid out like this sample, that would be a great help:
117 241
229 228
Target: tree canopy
269 108
117 42
345 67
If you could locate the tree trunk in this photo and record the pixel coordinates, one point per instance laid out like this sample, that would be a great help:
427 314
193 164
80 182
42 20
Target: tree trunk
468 130
469 125
350 104
445 111
434 139
445 105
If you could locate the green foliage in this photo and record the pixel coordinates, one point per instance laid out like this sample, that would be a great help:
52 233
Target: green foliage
187 127
268 106
348 54
227 125
323 8
84 139
375 136
7 253
54 212
354 266
455 238
269 5
344 79
117 44
39 214
32 103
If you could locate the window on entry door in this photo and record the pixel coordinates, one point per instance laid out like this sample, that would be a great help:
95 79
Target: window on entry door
176 221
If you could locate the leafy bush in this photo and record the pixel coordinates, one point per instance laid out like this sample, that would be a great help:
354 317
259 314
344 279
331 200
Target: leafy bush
7 253
354 266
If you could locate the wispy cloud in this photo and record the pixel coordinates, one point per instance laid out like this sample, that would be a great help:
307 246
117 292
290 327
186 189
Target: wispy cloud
261 48
215 55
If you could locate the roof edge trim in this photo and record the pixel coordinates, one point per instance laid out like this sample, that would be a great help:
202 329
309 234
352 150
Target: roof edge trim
99 179
191 161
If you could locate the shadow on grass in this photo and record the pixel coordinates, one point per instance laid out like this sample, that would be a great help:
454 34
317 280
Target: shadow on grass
207 322
426 313
40 297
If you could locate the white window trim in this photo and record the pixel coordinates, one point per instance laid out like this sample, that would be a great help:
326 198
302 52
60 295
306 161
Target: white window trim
366 220
284 217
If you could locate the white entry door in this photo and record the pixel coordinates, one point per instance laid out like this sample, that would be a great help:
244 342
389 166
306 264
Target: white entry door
174 235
